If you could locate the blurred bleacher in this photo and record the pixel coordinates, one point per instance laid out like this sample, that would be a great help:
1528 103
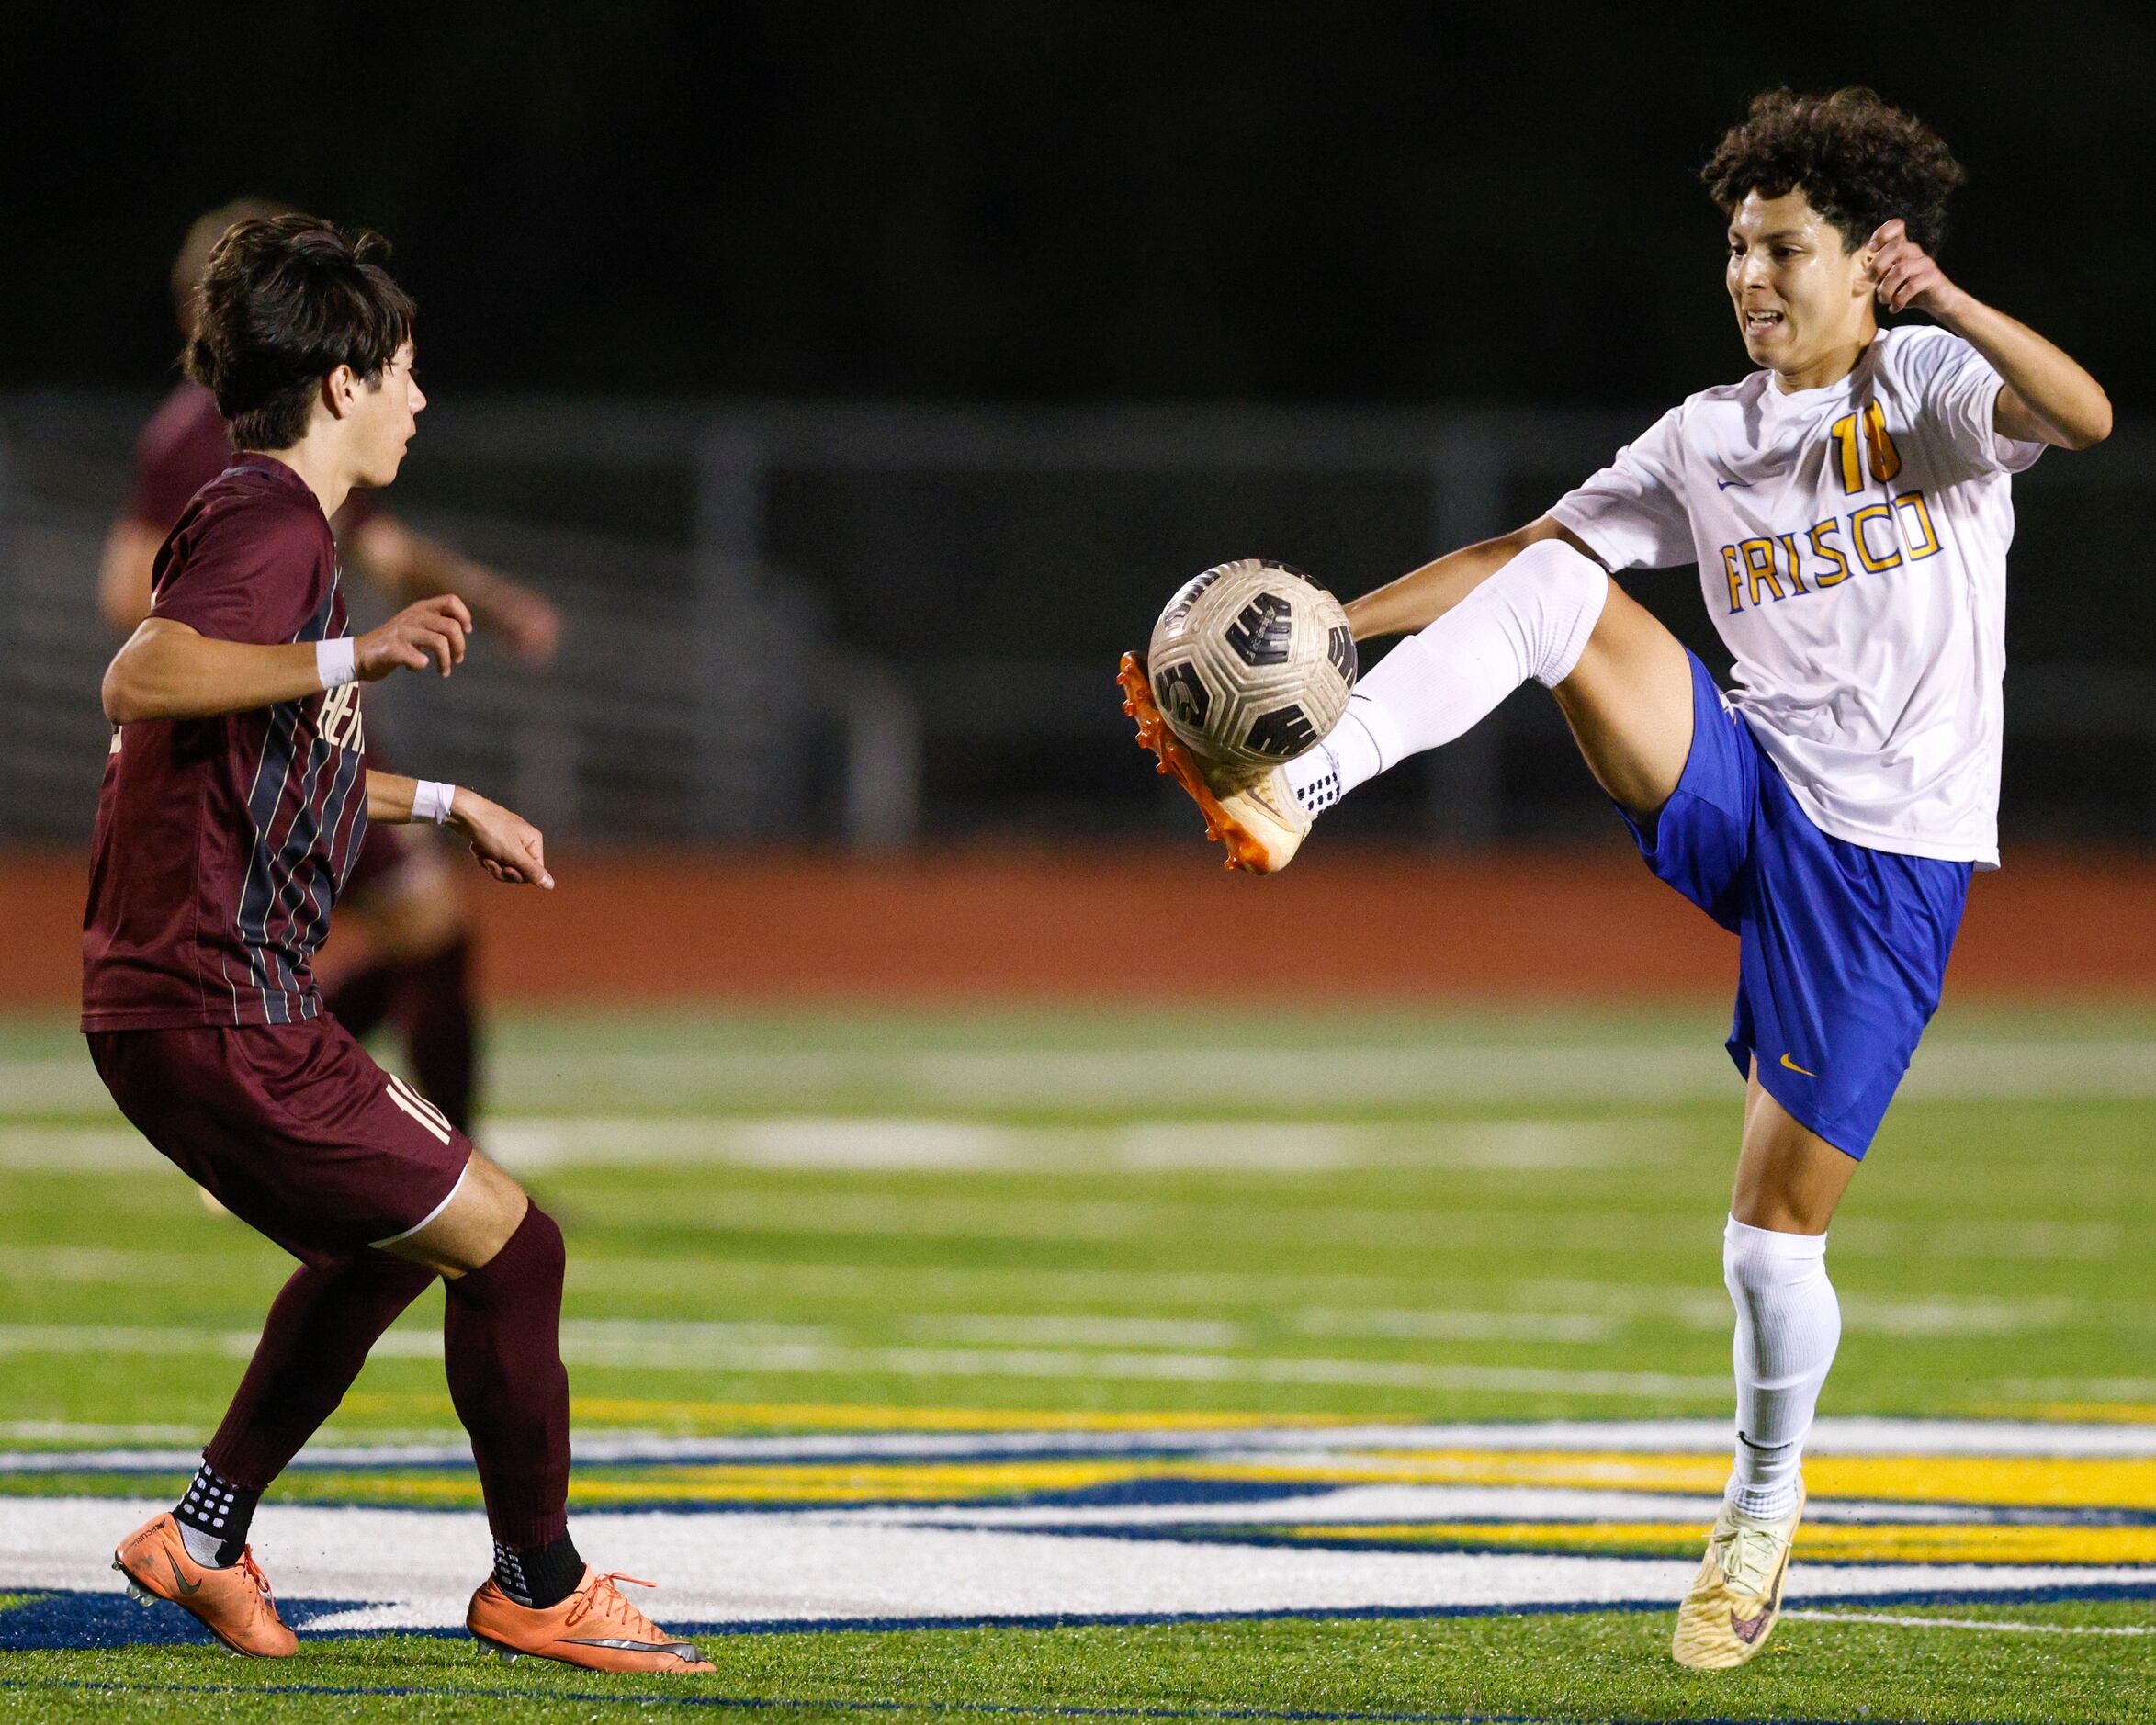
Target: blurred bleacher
873 626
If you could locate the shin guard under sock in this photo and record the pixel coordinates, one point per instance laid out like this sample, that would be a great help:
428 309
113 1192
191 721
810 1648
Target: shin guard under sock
313 1343
1788 1325
500 1344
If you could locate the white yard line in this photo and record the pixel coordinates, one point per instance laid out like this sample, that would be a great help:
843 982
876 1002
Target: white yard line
1992 1624
872 1144
1282 1445
725 1347
1548 1310
418 1568
1445 1070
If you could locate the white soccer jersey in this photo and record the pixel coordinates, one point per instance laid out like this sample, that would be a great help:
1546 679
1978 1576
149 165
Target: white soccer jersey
1852 549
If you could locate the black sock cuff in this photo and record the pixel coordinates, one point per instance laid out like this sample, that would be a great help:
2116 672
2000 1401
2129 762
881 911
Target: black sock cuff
214 1506
539 1577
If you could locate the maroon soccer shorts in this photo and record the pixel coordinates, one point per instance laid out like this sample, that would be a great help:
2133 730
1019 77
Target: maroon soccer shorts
292 1127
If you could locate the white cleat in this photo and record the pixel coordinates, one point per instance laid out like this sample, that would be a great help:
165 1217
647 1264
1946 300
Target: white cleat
1250 810
1736 1597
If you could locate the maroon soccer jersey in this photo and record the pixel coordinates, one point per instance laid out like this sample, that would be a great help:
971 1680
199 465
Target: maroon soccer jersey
221 842
185 445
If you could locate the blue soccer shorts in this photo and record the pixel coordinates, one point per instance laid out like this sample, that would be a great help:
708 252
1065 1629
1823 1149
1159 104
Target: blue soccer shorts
1842 949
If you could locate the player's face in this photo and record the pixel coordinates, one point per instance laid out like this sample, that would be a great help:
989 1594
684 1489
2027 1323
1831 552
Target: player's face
1802 301
388 413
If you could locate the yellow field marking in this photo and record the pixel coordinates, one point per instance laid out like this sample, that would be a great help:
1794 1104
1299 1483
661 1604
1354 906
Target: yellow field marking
2079 1412
812 1416
2112 1483
1920 1542
2040 1481
912 1482
2075 1481
772 1483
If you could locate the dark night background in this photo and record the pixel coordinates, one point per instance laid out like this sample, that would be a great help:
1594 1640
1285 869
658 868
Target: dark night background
1231 221
1036 202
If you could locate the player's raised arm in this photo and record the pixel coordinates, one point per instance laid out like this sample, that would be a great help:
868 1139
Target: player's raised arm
2050 398
168 669
508 847
410 565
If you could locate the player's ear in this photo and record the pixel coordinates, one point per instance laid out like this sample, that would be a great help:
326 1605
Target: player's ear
337 391
1862 279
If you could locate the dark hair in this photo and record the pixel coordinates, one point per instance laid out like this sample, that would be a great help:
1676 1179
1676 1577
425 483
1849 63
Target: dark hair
1858 161
284 301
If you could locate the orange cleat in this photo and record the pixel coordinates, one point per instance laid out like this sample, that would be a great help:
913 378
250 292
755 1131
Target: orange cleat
234 1605
594 1627
1250 810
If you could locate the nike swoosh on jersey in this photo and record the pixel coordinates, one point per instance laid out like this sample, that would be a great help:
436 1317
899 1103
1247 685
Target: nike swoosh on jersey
1793 1066
1724 485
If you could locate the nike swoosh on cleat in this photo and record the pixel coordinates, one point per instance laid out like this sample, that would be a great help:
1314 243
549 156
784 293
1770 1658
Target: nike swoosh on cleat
1793 1066
680 1650
1749 1629
173 1564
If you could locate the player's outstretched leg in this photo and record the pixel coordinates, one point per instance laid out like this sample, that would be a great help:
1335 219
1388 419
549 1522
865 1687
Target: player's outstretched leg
501 1348
312 1347
1533 619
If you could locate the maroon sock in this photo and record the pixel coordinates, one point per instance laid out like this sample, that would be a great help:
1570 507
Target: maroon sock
501 1343
360 999
312 1346
434 1007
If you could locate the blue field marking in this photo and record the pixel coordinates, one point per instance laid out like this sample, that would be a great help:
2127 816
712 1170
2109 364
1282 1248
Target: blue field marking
85 1621
56 1620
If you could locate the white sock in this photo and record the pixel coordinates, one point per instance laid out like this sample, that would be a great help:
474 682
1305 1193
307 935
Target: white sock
1531 618
1789 1324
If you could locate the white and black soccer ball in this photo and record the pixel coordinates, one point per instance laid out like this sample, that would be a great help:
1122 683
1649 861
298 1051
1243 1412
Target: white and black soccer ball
1252 662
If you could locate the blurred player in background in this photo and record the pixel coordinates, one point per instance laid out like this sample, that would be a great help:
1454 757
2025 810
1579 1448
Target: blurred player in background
419 963
236 798
1850 506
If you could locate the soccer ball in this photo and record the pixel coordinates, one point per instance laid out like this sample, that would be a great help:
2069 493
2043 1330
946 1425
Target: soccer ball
1252 662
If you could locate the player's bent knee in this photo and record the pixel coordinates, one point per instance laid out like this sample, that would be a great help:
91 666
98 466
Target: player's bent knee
1566 592
486 1208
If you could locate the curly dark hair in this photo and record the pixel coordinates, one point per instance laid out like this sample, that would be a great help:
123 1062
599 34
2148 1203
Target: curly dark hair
283 301
1857 160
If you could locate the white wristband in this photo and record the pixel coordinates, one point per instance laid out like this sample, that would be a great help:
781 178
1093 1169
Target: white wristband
336 662
431 800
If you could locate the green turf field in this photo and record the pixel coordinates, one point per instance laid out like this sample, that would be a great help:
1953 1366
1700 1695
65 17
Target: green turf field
876 1223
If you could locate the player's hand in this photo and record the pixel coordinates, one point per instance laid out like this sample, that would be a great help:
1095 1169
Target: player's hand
1905 276
508 847
532 626
430 633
